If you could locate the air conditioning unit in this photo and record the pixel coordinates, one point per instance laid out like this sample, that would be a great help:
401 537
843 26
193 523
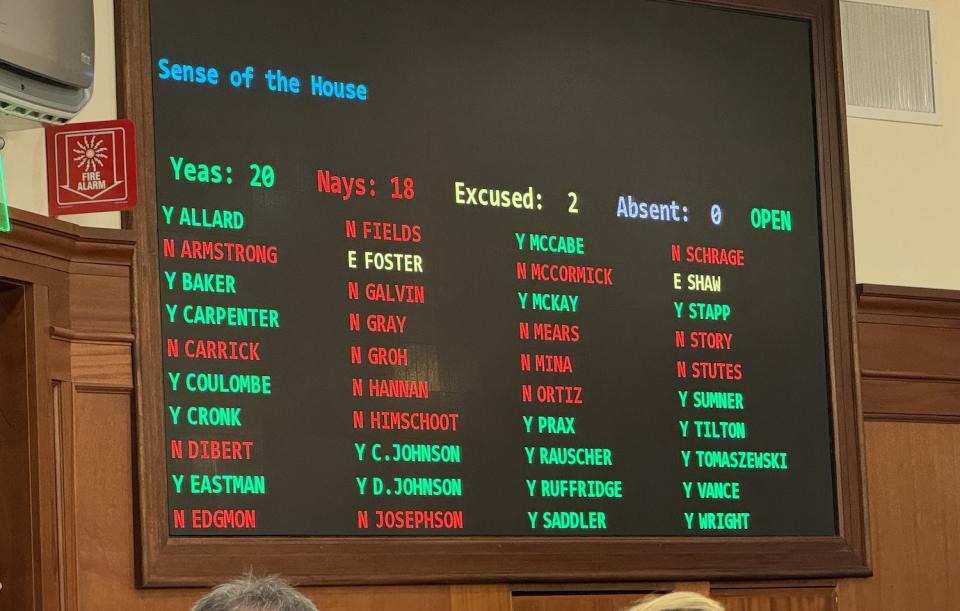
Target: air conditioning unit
46 61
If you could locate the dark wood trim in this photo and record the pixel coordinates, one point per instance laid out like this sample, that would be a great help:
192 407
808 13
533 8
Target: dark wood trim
102 389
25 220
917 418
874 296
64 430
792 584
20 511
90 337
908 305
839 288
60 244
195 561
135 102
630 588
908 377
536 589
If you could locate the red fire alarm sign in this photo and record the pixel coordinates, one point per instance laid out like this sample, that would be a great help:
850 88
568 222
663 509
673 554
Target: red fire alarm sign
91 167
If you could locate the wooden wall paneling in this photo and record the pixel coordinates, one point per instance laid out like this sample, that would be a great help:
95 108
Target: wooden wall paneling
700 587
19 567
480 598
787 599
910 353
411 598
595 597
100 302
102 466
104 522
911 400
102 364
64 432
47 253
30 461
44 359
96 441
915 522
575 602
70 277
56 247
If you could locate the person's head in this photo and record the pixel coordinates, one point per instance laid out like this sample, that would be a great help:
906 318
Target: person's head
678 601
254 594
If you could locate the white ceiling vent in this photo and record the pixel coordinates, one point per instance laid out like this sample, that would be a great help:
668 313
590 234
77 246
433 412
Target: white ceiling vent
889 63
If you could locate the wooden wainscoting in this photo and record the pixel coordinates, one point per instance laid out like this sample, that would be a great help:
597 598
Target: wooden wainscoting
778 599
914 482
910 359
910 353
73 311
598 597
785 596
575 602
19 571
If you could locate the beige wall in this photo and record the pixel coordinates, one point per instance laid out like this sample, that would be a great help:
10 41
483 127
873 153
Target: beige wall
905 178
24 156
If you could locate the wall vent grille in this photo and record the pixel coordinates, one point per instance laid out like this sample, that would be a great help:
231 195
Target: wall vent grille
889 63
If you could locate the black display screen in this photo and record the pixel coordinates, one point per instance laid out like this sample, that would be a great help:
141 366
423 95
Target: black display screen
538 268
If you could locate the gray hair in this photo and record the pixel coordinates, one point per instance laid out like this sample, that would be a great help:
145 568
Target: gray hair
254 594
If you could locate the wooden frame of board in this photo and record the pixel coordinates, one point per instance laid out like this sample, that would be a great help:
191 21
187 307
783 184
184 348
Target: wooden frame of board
166 560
